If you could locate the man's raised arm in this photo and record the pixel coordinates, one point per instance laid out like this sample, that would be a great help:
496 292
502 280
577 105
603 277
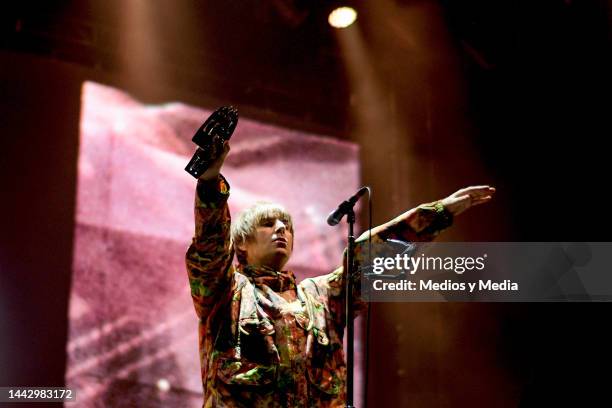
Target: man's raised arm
209 257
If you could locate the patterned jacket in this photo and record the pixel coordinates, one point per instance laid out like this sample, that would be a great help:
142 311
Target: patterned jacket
265 341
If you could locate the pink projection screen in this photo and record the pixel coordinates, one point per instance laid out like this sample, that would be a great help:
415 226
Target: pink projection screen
133 329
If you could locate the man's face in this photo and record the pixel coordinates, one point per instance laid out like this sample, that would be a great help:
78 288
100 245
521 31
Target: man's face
271 244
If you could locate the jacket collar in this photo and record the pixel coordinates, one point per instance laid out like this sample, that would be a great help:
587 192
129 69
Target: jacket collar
278 281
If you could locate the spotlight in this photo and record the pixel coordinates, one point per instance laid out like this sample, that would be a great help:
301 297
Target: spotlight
342 17
163 385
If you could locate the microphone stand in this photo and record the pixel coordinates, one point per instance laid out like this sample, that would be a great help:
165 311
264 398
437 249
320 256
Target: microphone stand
346 207
350 324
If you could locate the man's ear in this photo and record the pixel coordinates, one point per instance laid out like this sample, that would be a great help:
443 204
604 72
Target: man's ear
241 253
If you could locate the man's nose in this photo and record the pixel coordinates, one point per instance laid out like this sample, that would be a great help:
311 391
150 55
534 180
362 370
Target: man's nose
279 226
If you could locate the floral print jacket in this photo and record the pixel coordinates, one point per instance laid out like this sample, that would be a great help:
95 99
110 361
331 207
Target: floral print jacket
264 340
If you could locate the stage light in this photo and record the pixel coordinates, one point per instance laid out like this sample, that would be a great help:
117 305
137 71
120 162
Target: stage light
342 17
163 385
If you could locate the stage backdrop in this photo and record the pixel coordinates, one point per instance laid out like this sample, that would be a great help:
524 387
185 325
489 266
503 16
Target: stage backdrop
133 337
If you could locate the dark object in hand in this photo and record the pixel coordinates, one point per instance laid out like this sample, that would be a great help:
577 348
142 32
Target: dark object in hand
210 137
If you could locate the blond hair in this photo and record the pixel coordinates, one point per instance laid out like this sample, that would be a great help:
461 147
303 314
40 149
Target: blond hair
243 229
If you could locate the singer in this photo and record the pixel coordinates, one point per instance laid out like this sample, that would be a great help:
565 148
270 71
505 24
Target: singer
265 340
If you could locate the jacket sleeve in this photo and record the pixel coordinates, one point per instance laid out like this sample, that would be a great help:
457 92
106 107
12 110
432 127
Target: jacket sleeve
209 257
420 224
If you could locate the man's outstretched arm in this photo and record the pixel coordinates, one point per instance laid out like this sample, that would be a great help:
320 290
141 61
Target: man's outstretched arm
420 224
425 222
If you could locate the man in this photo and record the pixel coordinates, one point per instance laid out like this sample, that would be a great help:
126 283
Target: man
264 340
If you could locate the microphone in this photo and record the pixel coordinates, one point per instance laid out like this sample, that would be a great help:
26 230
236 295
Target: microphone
336 216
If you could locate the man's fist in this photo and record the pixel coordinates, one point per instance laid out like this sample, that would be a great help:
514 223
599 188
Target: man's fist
215 167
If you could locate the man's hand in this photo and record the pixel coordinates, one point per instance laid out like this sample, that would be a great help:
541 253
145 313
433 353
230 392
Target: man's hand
467 197
215 167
